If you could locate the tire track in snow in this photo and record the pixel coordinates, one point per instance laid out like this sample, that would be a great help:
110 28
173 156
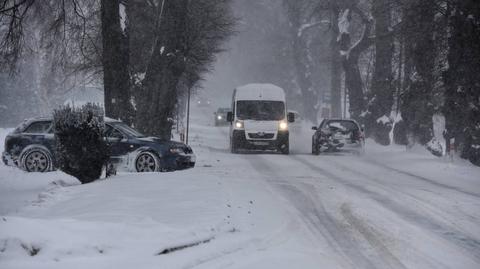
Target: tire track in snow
369 234
322 223
417 177
471 245
381 184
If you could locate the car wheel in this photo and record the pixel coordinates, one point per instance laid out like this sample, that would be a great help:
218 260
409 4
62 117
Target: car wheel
36 160
315 150
285 149
147 162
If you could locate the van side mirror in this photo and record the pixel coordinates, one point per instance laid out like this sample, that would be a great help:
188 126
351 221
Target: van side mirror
314 128
229 116
290 117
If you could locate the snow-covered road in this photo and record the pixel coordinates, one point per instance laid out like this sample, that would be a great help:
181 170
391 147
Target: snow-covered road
389 209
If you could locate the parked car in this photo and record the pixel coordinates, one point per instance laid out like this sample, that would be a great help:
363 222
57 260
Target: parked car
221 116
338 134
31 146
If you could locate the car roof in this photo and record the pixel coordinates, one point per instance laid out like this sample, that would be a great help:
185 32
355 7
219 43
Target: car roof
30 120
38 119
339 119
260 91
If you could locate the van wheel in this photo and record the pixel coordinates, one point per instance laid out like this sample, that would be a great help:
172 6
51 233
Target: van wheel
233 147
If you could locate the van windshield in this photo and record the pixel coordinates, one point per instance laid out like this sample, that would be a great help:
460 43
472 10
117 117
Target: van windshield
260 110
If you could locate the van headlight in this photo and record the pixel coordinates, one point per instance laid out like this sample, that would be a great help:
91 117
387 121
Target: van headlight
219 117
239 124
283 126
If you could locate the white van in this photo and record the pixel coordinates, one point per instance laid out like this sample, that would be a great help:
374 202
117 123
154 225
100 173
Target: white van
259 118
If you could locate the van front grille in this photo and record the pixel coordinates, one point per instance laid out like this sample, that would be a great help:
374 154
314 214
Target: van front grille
261 135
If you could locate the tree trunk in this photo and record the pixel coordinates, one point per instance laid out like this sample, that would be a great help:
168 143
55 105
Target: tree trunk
350 55
115 59
462 81
381 99
416 102
336 75
304 81
167 64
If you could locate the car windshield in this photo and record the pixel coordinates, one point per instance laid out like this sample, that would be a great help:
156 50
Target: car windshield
260 110
21 126
129 131
342 125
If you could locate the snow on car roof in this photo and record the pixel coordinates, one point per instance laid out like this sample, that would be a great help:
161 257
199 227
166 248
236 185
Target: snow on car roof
340 119
260 91
107 119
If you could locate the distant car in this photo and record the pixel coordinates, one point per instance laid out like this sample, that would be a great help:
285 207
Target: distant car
336 135
221 116
203 102
31 146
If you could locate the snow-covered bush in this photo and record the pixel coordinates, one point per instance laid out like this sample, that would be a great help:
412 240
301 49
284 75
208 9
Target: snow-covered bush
81 150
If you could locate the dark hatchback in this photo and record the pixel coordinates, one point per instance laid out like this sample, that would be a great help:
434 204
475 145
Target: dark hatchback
338 135
31 146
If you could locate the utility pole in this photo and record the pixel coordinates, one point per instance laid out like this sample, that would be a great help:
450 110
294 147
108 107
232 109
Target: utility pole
188 116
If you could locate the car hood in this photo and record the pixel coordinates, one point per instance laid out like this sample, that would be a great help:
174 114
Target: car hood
152 139
157 140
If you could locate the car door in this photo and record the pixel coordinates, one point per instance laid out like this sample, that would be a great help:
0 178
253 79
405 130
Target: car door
40 133
117 141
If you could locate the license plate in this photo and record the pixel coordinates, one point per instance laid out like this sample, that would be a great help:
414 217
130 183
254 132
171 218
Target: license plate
260 143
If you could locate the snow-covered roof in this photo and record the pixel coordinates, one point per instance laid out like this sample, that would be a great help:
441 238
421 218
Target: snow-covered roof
260 91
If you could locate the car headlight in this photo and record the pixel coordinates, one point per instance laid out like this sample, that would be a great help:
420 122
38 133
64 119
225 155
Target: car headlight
283 126
176 150
239 124
219 117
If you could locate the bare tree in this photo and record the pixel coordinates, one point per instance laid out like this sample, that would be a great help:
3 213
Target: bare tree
50 45
302 58
188 35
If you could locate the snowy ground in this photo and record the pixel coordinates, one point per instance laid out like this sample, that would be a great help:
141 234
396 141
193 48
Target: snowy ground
389 209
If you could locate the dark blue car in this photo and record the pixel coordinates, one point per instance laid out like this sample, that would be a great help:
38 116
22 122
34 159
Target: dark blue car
31 146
